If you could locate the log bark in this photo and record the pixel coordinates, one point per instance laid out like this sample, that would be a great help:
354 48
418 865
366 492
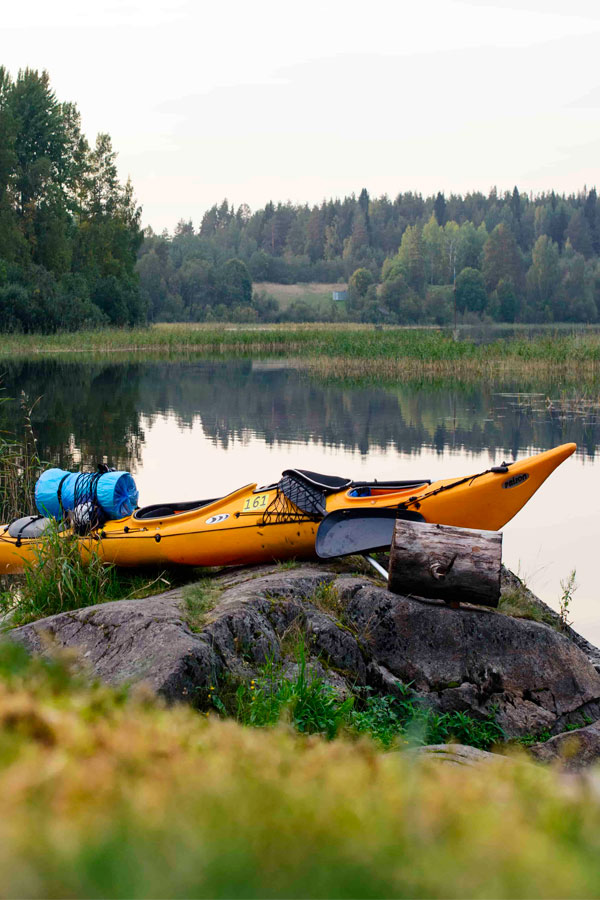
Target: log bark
451 564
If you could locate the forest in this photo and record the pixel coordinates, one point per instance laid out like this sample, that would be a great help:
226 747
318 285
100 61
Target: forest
74 254
506 257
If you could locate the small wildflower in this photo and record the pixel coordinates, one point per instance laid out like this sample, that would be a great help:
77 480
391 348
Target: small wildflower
211 688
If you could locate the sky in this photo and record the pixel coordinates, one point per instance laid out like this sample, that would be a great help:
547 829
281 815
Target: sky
280 101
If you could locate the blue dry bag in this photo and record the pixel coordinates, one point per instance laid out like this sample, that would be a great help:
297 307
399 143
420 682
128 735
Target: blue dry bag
56 492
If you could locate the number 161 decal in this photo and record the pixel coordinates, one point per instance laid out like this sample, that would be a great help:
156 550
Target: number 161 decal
256 503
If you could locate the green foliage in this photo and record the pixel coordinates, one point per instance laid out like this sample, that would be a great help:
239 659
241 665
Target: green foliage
235 284
66 573
520 604
108 793
506 298
360 282
58 579
501 258
388 719
414 244
569 586
68 230
388 349
471 295
312 706
20 466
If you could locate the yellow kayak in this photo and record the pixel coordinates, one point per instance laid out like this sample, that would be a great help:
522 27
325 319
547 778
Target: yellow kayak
280 521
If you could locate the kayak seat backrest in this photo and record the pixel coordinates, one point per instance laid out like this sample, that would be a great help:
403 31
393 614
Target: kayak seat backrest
163 510
326 483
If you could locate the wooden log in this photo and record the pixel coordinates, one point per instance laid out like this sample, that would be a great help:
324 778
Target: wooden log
447 563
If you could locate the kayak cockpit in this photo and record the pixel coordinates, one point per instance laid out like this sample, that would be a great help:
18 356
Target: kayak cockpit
379 488
164 510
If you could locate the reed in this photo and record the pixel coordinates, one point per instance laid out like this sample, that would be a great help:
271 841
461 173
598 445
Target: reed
336 347
20 466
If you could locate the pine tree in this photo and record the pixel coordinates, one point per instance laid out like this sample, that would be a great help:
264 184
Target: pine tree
439 208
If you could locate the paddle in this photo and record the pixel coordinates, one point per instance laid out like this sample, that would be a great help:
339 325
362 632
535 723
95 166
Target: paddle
347 531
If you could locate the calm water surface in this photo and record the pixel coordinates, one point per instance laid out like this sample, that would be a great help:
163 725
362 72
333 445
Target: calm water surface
196 428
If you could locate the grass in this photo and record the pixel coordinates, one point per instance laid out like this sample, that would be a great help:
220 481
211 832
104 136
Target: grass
518 602
198 599
106 794
339 350
326 598
59 579
311 706
314 294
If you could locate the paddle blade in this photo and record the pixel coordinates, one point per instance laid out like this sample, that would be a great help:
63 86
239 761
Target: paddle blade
347 531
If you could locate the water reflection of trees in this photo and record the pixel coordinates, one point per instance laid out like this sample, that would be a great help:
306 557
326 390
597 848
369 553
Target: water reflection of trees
98 408
85 411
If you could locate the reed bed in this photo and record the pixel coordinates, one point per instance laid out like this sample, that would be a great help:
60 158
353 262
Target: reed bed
467 369
333 347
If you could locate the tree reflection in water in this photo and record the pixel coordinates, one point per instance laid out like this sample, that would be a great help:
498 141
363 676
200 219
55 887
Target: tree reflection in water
90 411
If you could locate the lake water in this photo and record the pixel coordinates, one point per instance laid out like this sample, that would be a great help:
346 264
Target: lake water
196 428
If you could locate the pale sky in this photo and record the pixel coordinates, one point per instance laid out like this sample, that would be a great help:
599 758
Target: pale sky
300 101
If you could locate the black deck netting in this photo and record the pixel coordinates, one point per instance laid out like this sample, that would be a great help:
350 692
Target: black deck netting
87 513
295 501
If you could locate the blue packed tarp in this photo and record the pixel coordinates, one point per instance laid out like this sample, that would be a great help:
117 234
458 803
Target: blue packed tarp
115 492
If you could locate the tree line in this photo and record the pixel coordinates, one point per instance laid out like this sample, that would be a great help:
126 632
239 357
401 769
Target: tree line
509 257
73 253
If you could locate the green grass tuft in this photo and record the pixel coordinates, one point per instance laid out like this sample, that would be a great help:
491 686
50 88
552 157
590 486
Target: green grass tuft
520 603
59 579
198 599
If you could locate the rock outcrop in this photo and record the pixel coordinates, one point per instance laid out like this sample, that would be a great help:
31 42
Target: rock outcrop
357 633
572 749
